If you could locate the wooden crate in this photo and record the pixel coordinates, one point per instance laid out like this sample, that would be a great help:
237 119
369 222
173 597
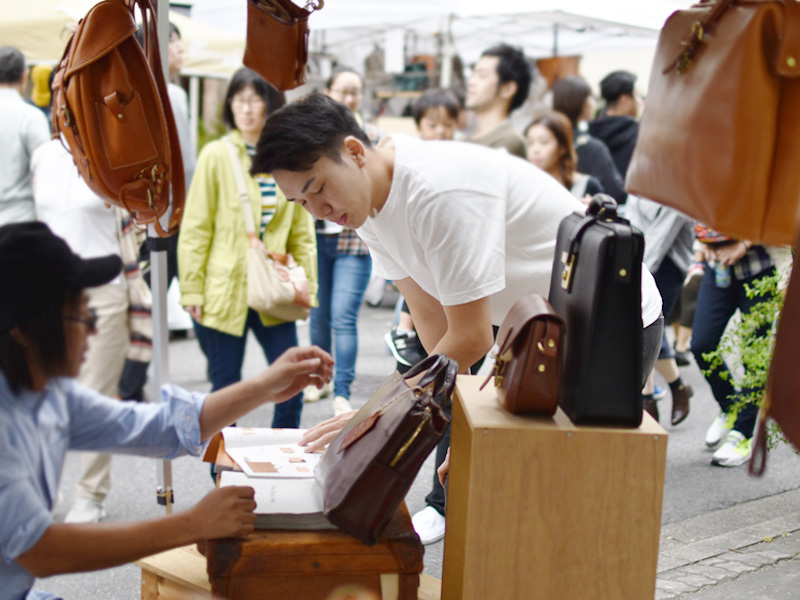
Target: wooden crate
180 574
540 508
309 565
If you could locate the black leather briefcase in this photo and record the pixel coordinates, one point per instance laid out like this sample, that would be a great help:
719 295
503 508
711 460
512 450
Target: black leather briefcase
596 288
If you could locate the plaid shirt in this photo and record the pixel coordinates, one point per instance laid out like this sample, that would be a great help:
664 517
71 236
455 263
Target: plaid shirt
754 262
350 243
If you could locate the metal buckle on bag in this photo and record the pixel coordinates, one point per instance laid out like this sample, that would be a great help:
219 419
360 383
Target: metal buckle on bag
566 274
414 436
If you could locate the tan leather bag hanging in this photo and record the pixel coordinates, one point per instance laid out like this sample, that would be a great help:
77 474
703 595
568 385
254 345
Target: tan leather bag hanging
277 41
110 103
719 139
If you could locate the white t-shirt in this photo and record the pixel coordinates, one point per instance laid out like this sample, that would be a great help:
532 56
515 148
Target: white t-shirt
66 204
467 222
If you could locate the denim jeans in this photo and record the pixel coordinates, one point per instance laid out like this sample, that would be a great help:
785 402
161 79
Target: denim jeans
715 307
225 355
343 278
669 280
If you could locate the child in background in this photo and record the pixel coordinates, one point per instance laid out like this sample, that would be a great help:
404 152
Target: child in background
436 114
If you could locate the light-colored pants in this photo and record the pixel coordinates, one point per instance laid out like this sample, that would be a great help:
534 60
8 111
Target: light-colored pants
100 371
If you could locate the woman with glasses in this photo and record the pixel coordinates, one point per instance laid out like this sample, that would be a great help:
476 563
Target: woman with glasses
45 327
213 244
344 268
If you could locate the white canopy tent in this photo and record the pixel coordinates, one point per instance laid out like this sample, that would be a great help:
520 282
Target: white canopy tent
351 29
41 29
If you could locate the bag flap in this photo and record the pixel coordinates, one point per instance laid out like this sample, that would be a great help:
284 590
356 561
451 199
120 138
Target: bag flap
104 27
525 310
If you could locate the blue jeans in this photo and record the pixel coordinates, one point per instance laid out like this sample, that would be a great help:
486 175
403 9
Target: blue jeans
715 307
669 280
343 278
225 355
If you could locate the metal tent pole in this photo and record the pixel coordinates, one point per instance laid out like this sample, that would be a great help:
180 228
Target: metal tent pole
158 283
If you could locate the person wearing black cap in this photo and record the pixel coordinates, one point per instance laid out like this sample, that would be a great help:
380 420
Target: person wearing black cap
44 325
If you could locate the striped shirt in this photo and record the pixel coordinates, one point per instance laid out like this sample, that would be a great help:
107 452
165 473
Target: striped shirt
266 183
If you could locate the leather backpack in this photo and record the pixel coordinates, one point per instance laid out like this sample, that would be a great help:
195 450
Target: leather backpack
110 104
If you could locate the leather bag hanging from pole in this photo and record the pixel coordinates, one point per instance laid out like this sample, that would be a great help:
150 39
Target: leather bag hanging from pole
719 139
110 104
277 41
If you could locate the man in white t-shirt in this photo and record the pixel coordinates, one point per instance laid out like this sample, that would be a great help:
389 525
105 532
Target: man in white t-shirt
464 231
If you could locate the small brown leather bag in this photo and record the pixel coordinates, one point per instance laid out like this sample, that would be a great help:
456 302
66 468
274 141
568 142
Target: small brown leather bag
112 109
718 137
277 41
527 366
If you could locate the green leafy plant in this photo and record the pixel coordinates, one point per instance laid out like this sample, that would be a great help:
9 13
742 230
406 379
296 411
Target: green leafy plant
750 345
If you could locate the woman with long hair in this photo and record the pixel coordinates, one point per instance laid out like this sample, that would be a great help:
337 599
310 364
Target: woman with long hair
549 140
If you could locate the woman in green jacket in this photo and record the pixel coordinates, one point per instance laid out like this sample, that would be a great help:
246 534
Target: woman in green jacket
212 249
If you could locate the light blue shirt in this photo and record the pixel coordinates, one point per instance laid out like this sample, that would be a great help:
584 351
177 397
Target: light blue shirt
37 429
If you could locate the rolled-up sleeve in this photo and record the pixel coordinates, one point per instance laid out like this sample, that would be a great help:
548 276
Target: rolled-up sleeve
168 429
24 517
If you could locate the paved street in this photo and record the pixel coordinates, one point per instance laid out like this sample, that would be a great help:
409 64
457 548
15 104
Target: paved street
723 532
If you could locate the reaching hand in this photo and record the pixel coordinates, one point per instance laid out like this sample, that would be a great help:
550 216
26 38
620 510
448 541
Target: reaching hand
444 468
296 369
224 512
323 433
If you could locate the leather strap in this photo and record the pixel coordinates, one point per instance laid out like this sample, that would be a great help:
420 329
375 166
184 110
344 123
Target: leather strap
153 54
244 196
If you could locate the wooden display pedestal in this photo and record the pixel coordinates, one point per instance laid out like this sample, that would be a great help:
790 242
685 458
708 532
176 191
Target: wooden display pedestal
540 508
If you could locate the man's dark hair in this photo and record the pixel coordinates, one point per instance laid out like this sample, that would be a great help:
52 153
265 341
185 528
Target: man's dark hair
301 133
12 65
617 84
569 96
243 78
513 66
434 98
46 333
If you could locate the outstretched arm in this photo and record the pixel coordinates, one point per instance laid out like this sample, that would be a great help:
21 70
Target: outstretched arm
286 377
77 547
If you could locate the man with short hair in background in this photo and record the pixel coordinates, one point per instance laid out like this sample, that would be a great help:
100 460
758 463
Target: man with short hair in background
617 126
499 84
23 128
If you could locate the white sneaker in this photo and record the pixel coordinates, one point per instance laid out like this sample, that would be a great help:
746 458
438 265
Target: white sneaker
85 510
341 405
429 525
312 393
719 430
735 451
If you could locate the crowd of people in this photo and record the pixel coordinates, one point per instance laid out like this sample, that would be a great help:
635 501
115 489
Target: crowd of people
462 219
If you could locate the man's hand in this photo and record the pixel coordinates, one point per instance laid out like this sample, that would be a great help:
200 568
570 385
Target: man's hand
444 468
324 433
224 512
296 369
195 311
286 377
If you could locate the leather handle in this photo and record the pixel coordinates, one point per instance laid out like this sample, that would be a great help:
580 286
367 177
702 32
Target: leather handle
153 54
697 35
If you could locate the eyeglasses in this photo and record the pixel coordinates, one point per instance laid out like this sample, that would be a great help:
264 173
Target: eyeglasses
348 92
252 102
90 321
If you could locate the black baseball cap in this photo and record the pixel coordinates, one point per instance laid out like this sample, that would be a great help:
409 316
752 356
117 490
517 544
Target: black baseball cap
37 268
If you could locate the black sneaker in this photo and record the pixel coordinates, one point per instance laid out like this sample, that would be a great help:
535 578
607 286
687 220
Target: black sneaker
682 358
405 347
